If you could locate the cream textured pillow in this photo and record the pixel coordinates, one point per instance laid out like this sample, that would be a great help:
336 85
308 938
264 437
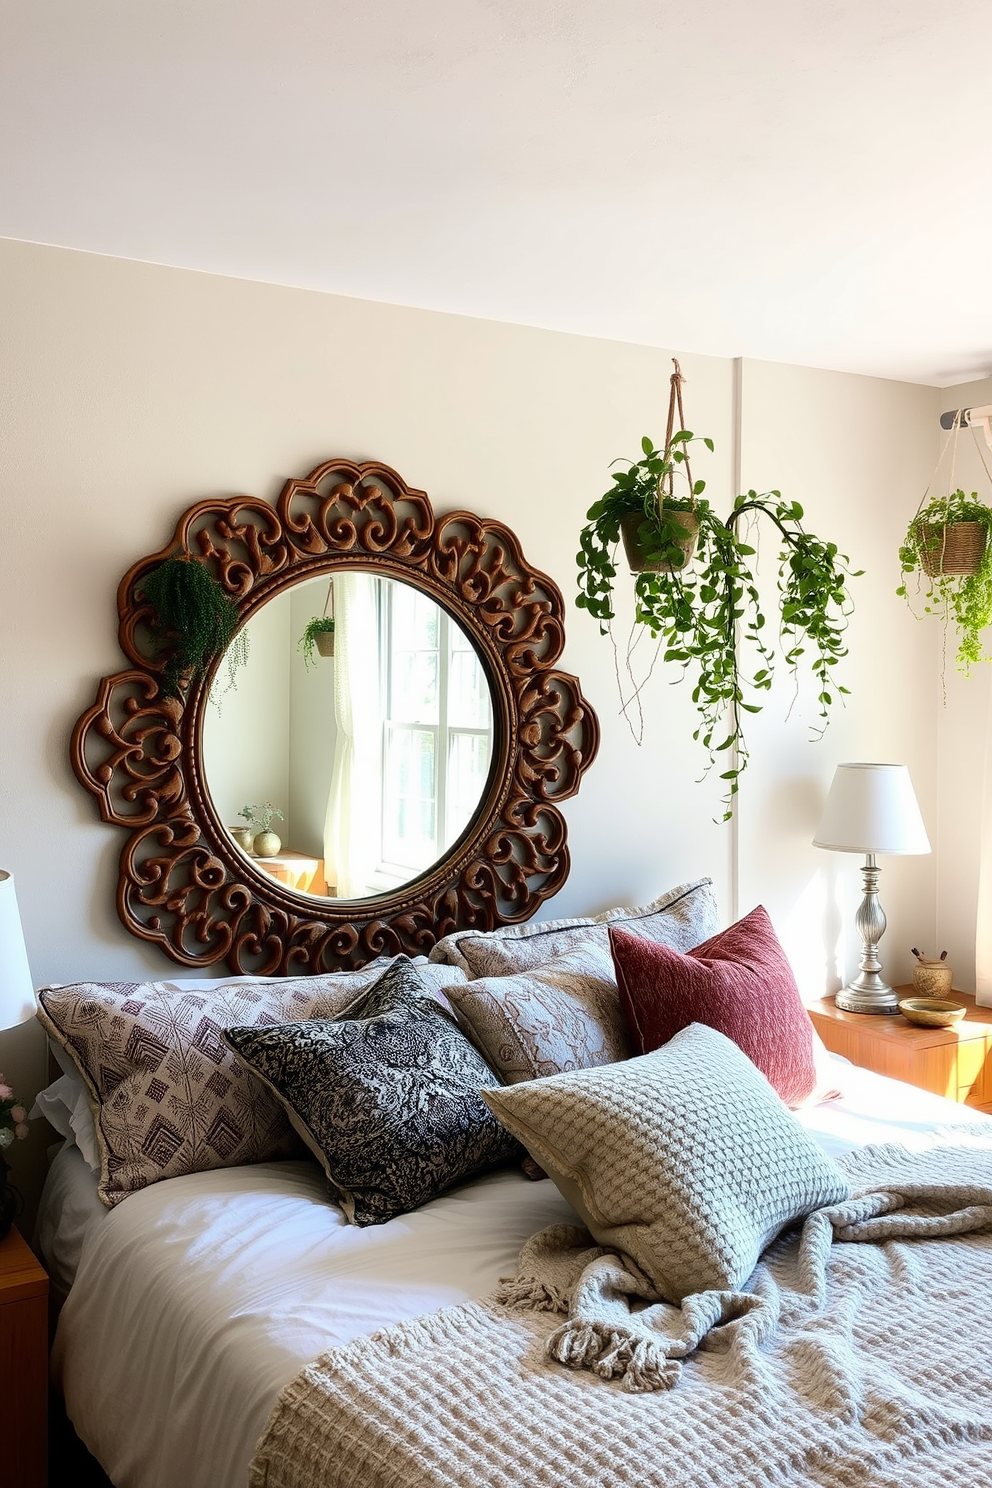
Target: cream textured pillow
683 1160
680 919
562 1016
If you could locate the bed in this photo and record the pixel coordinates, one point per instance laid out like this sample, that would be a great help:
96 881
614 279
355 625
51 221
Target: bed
190 1306
192 1303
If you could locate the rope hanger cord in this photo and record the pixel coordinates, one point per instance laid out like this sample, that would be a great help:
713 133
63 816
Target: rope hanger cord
634 700
675 397
952 435
329 601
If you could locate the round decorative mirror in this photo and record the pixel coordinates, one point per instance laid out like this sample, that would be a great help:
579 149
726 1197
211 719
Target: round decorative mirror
349 773
308 811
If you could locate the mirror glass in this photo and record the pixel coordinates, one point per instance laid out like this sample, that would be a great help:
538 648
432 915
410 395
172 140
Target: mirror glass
377 757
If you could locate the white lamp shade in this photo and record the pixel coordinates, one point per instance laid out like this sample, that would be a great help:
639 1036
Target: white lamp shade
16 987
872 809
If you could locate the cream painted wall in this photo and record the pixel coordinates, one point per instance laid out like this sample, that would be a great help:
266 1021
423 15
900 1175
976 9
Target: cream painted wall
855 452
962 734
247 730
129 391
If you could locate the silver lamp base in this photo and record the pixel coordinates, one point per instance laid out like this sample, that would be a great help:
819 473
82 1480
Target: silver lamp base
878 1000
868 993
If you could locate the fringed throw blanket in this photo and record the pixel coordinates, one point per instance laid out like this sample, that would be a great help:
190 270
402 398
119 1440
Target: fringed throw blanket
860 1354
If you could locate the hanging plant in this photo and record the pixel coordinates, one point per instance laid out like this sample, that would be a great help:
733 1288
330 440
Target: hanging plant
196 616
948 547
317 639
703 609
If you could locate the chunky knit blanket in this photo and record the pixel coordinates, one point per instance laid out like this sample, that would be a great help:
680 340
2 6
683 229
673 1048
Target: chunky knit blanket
859 1354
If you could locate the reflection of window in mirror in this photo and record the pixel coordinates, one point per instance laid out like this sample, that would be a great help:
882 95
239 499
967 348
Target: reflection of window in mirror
437 732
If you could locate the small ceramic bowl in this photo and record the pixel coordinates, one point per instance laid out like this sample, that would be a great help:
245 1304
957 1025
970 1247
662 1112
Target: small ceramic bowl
931 1012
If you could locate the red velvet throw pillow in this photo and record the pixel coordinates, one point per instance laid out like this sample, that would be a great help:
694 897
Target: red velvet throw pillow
738 982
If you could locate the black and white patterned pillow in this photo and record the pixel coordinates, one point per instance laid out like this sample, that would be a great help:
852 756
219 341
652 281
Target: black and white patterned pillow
386 1096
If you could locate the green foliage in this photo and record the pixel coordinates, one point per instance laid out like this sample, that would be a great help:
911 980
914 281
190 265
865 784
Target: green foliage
319 625
195 616
260 818
962 599
702 608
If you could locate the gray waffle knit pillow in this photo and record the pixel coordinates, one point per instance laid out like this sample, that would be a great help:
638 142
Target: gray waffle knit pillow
684 1160
386 1096
681 919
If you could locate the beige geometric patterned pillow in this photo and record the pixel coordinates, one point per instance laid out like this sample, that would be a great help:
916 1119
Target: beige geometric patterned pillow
562 1016
682 918
684 1160
169 1097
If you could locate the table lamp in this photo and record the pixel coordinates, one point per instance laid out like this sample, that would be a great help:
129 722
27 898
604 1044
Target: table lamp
871 809
16 987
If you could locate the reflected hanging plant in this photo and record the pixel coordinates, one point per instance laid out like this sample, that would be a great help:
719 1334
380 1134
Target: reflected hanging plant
314 640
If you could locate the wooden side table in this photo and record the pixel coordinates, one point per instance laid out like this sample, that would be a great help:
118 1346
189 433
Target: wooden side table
23 1364
297 870
954 1062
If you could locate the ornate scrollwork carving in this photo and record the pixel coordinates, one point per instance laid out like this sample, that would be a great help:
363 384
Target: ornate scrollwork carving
183 884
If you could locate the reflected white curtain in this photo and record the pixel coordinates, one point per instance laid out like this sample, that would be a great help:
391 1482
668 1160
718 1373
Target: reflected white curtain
353 821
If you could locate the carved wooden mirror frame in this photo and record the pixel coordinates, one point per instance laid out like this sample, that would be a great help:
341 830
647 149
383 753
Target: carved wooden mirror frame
184 884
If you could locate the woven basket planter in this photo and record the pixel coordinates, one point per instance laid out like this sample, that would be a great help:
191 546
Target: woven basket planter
956 549
324 641
634 549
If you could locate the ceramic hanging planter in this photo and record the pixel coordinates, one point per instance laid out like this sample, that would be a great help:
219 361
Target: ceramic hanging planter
640 557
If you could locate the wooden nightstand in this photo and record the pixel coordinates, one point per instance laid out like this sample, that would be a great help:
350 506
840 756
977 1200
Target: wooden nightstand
23 1365
956 1062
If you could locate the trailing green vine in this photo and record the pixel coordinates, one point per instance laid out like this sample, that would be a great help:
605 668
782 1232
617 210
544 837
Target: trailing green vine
194 616
701 609
964 600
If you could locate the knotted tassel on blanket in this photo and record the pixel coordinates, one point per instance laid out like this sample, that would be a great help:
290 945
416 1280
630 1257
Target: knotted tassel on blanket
550 1264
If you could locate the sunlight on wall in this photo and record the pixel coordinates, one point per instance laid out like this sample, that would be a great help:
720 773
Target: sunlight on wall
812 933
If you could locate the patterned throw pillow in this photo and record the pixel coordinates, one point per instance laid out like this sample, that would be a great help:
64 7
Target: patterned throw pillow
168 1095
562 1016
684 1160
386 1097
681 918
739 982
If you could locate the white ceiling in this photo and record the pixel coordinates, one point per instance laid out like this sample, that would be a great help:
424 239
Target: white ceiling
801 180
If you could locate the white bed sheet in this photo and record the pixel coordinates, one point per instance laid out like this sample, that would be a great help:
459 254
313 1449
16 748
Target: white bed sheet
197 1299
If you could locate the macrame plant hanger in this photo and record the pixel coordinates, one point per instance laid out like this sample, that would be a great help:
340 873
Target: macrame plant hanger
665 489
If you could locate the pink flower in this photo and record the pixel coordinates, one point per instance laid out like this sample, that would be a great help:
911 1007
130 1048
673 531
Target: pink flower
5 1091
18 1114
20 1131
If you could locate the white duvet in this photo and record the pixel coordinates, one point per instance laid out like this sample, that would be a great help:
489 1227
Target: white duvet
196 1300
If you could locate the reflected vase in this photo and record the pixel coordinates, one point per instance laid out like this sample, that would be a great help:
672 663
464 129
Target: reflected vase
267 844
